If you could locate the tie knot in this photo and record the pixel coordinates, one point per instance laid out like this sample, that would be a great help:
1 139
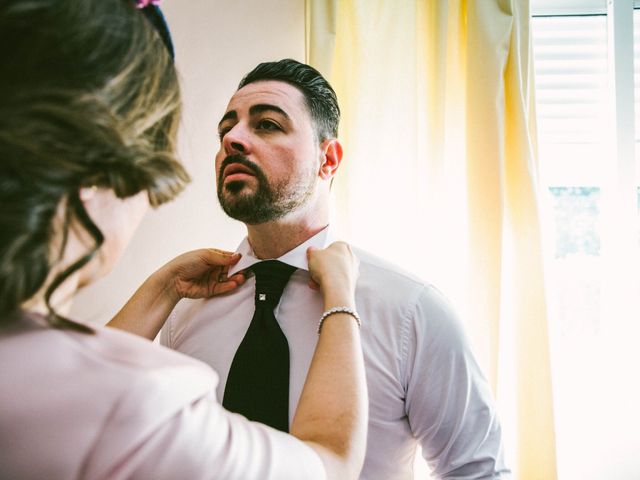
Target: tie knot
271 278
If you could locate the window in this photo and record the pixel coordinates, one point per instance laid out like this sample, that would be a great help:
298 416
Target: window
583 52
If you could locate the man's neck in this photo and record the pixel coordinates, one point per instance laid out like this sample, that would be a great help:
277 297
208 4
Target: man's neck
274 239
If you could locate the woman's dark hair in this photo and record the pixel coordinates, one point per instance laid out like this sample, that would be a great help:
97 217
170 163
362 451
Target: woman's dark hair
89 96
320 97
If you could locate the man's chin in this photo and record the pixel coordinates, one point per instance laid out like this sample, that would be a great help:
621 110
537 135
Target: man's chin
237 205
247 209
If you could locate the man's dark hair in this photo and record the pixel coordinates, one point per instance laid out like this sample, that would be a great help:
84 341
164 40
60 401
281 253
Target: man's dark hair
320 97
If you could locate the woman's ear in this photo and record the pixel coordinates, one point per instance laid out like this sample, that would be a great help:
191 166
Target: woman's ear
87 193
331 158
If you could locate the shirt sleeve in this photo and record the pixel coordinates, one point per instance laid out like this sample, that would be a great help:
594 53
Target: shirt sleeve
199 440
449 403
166 332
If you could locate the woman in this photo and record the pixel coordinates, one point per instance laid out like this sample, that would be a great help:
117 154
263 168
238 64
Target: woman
89 104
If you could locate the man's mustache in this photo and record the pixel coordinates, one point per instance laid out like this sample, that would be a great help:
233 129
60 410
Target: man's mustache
242 160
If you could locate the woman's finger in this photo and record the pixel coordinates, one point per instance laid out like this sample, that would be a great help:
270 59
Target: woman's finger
216 257
227 286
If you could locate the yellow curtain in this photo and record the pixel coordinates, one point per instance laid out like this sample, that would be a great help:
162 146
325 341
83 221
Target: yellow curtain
440 176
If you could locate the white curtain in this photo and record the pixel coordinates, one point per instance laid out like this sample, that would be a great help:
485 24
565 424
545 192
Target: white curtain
440 176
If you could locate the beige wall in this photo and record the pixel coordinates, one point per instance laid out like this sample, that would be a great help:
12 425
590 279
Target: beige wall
216 42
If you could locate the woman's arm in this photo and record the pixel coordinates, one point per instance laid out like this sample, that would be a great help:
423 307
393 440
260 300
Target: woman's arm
196 274
331 416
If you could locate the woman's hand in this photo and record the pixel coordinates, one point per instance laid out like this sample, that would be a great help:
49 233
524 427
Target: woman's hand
334 270
202 273
196 274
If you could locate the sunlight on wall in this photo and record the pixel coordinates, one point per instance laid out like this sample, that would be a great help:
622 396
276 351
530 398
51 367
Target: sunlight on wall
379 190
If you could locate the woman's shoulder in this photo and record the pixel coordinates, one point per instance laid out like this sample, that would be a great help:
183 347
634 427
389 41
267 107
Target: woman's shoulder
151 366
124 350
112 355
113 361
108 387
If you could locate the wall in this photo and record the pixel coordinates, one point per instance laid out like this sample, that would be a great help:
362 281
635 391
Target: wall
216 43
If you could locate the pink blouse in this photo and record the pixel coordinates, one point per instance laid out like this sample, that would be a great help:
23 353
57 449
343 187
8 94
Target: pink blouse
115 406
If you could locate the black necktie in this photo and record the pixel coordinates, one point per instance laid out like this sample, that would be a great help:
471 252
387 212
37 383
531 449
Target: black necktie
258 381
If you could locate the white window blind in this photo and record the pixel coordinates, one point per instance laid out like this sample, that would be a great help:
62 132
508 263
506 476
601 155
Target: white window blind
636 76
570 55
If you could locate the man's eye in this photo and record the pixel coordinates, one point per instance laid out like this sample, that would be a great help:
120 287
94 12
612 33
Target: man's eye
269 125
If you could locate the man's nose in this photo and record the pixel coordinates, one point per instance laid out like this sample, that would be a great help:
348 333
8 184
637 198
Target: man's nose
236 141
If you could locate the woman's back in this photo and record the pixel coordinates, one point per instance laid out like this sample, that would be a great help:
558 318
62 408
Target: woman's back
114 406
76 405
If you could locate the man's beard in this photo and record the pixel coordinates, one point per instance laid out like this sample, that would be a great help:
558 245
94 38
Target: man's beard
267 203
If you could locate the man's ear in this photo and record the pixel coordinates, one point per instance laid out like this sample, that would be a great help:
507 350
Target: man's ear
331 158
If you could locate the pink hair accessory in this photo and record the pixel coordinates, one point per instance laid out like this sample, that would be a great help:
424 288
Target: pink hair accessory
145 3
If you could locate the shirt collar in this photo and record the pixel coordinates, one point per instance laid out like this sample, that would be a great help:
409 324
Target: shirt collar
296 257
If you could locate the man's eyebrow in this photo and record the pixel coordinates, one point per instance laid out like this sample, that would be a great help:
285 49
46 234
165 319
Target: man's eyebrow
254 110
265 107
230 115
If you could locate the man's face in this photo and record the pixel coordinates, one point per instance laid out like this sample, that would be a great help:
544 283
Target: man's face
269 156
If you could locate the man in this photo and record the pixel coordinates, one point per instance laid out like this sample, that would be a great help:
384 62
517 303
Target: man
277 157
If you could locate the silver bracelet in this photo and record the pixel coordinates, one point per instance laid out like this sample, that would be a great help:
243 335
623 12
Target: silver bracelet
347 310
